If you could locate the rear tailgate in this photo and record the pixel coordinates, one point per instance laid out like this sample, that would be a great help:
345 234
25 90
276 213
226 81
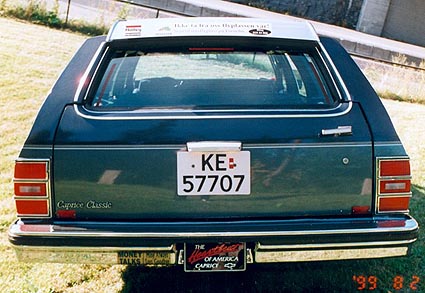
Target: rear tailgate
127 169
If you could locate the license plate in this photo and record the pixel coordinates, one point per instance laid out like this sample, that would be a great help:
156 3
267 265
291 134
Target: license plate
215 257
213 173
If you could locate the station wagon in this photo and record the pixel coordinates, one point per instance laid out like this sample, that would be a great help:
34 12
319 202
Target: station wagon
211 143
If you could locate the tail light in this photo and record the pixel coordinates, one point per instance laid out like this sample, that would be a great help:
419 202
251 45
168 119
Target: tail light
393 185
31 186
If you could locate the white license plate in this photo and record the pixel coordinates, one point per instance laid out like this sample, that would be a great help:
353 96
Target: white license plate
213 173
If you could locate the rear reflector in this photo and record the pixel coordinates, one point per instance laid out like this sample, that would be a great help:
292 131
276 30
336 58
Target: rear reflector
31 186
66 214
361 210
393 185
391 224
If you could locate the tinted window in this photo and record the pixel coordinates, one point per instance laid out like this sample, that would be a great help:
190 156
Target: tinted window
213 78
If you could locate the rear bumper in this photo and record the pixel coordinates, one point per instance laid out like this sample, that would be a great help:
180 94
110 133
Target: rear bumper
162 243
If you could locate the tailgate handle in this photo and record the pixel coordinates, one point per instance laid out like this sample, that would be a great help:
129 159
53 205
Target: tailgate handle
341 130
214 146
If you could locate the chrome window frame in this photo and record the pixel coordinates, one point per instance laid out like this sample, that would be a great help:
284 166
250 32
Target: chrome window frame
343 106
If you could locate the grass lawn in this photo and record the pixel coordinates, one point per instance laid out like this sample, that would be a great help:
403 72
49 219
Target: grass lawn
31 58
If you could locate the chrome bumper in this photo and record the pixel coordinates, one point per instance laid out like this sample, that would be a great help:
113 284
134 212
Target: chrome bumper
171 254
276 253
164 256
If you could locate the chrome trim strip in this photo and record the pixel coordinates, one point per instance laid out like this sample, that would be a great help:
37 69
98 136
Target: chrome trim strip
400 194
334 245
404 177
323 255
88 255
310 145
119 147
335 71
214 114
185 110
305 113
182 146
170 248
37 147
85 76
21 229
109 255
213 146
331 76
388 143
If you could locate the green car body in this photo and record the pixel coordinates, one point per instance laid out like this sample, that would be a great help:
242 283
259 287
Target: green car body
211 143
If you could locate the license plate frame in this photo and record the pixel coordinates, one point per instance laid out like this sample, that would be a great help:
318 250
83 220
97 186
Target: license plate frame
213 173
215 257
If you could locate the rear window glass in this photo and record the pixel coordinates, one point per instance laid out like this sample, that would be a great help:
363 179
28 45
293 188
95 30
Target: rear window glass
212 78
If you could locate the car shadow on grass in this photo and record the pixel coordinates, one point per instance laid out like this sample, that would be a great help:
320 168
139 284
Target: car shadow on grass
330 276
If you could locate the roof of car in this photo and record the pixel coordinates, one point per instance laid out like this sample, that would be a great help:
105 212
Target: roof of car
212 26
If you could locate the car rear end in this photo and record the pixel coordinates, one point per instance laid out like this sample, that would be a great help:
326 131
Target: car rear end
213 143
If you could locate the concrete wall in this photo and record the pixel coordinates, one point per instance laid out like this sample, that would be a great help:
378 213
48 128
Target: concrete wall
339 12
405 21
401 20
372 16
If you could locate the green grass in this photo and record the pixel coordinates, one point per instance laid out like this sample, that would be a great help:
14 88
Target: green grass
35 11
31 58
396 82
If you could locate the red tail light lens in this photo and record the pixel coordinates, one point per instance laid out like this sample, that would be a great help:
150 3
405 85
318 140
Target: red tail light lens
393 185
28 207
31 170
394 168
393 203
31 185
